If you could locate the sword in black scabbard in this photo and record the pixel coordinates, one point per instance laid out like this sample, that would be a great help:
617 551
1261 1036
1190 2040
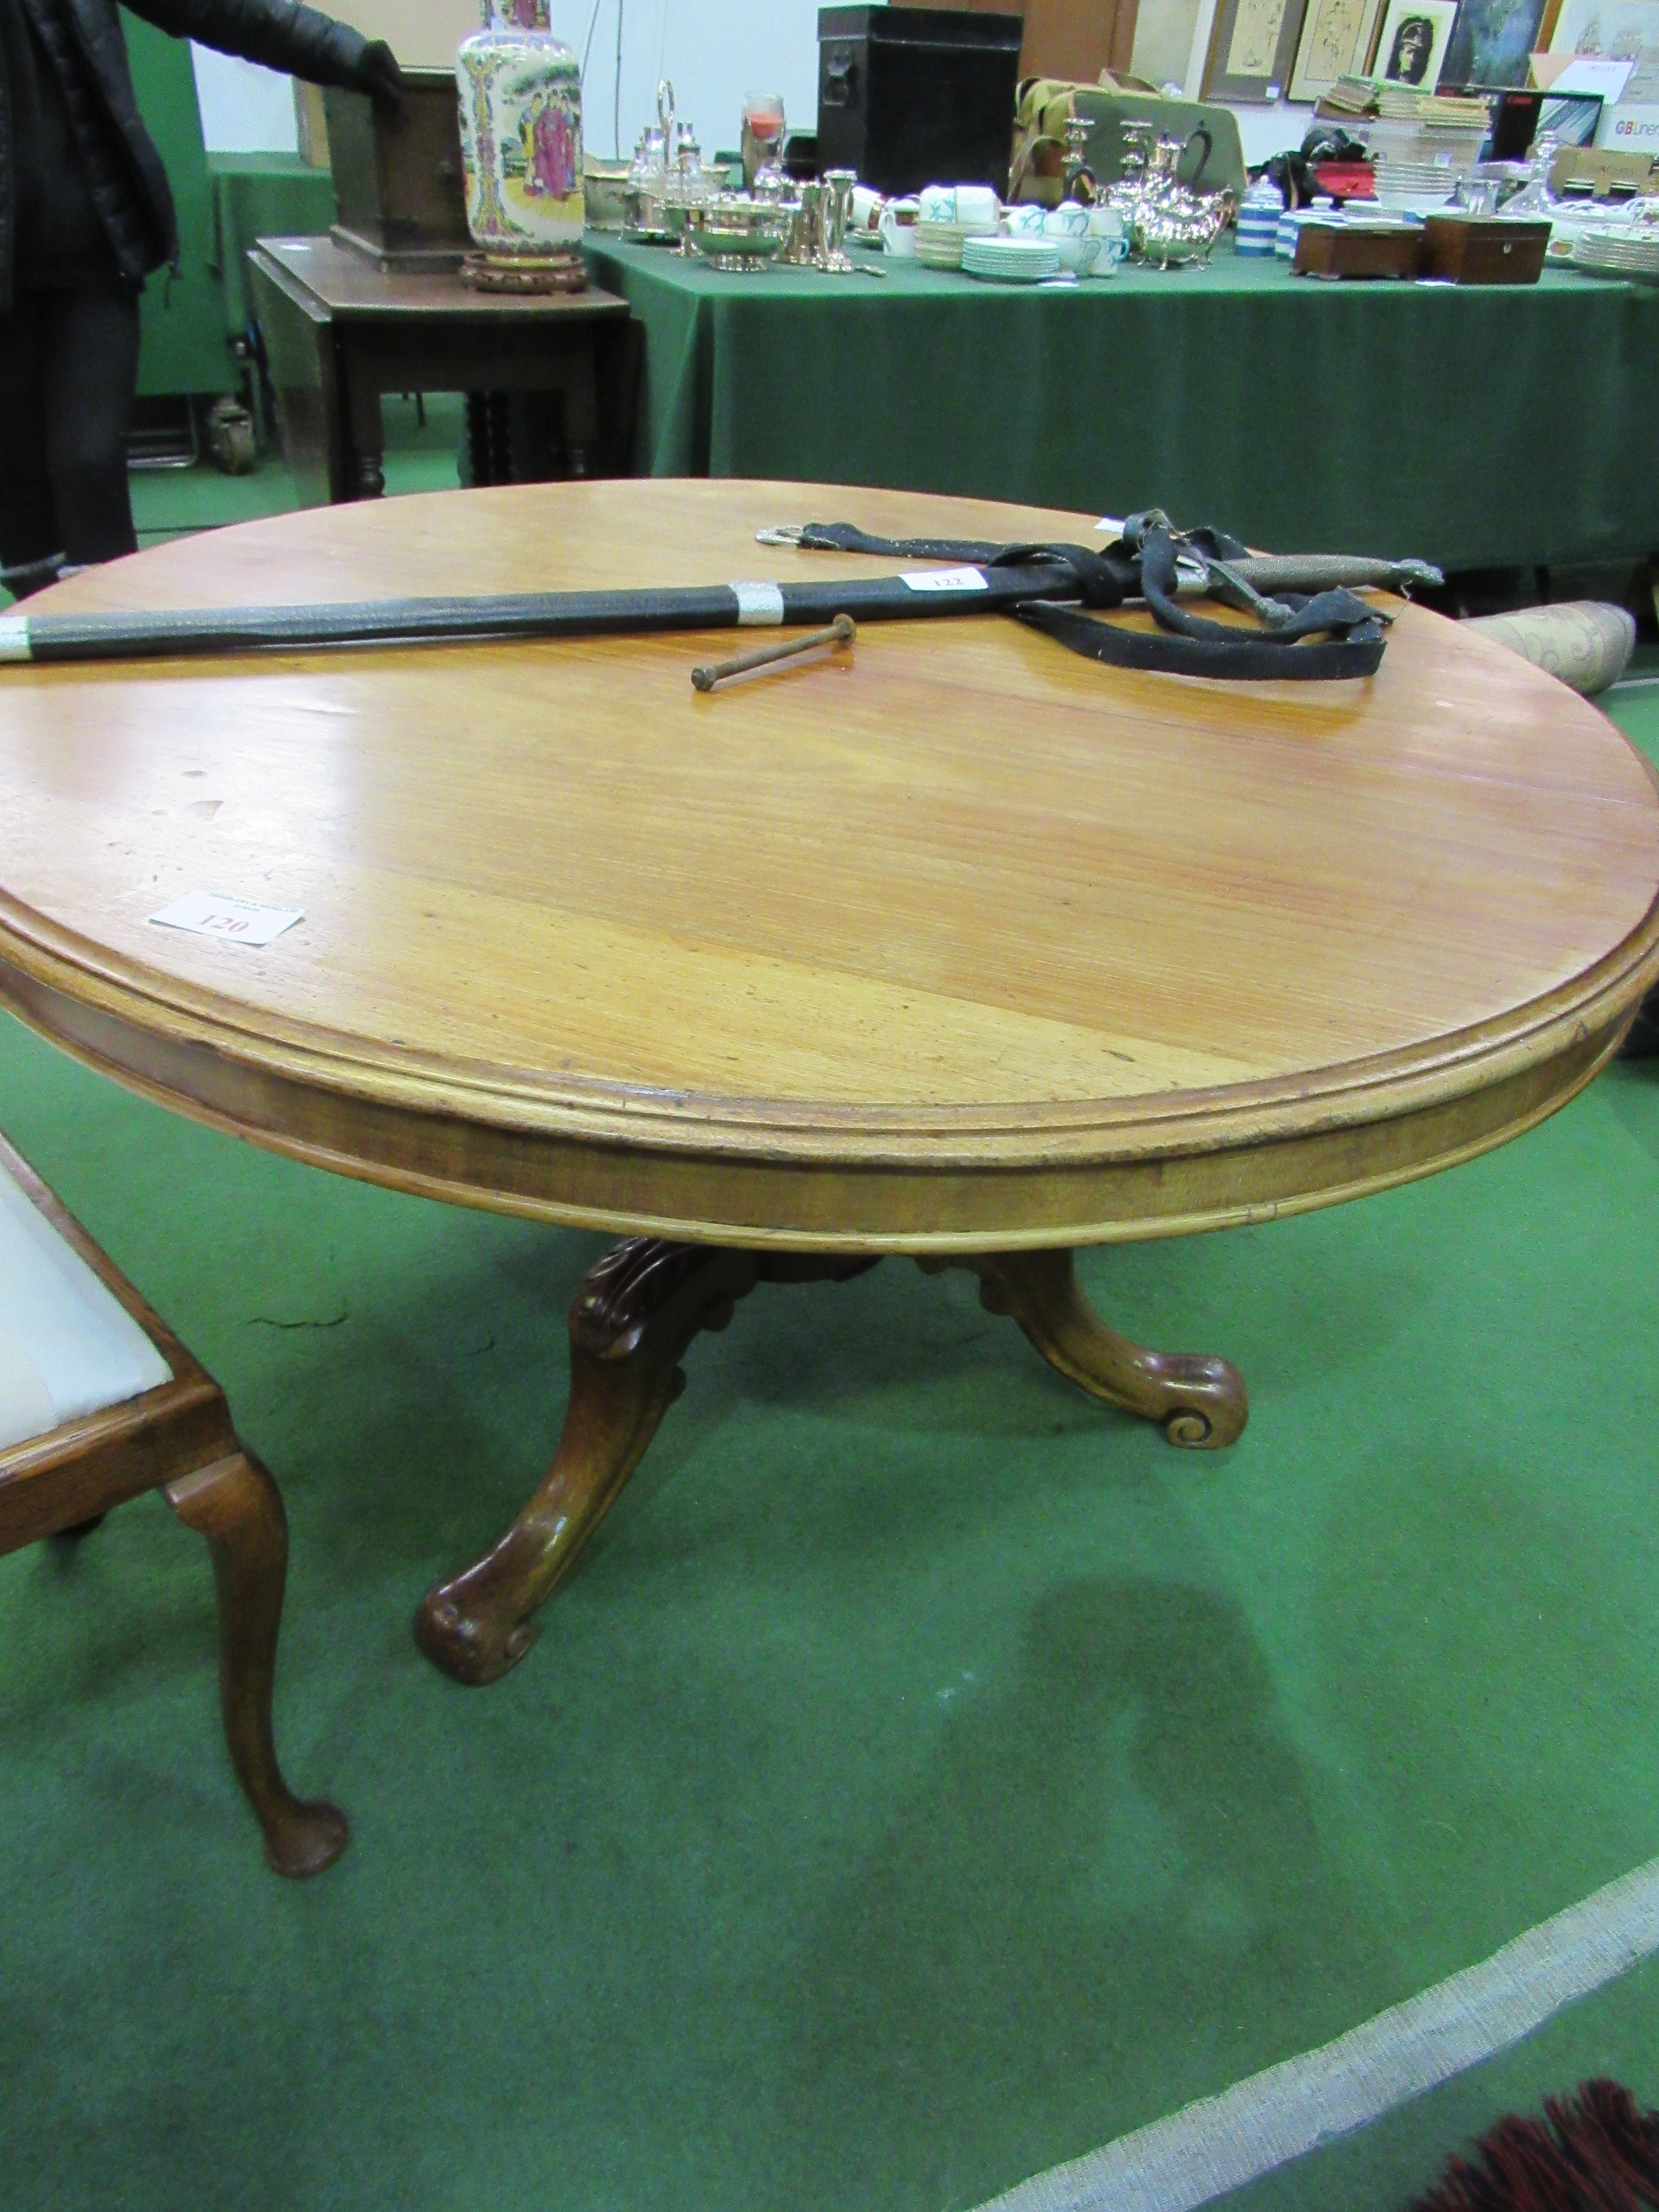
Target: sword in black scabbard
42 638
1307 602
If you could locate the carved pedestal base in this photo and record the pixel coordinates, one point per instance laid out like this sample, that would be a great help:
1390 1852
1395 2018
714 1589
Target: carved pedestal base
632 1322
528 273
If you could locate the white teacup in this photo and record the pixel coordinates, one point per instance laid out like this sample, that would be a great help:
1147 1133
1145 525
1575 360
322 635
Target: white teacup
1082 256
898 226
938 204
866 208
1023 222
1068 220
978 205
1106 230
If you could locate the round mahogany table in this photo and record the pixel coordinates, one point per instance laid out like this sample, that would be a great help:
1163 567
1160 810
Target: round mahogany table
958 945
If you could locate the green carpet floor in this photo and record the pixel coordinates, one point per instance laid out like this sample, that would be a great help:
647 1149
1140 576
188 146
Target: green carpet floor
927 1777
421 448
422 445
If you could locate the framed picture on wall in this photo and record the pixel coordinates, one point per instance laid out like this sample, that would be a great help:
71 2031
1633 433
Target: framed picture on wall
1411 48
1252 46
1335 41
1492 41
1165 36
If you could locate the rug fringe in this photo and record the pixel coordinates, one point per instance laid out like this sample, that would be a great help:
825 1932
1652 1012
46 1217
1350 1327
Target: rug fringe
1592 2152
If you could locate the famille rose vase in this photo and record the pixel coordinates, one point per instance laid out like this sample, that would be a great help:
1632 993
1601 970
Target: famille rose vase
521 133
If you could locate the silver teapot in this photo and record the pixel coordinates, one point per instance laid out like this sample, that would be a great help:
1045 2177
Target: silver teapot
1167 222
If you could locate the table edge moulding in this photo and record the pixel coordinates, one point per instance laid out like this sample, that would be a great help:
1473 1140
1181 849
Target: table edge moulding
1186 1162
719 1190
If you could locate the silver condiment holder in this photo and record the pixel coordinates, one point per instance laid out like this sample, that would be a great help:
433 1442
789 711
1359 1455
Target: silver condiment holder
836 212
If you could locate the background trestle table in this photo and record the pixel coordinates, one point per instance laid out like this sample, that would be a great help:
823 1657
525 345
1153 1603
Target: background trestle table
1477 427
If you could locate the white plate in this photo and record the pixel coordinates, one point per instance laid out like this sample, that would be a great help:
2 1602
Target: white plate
1012 260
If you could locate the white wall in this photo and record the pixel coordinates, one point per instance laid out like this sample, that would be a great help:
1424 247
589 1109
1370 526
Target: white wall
1269 131
712 52
245 109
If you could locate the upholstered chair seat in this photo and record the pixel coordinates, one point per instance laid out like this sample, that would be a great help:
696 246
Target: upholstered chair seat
99 1403
68 1346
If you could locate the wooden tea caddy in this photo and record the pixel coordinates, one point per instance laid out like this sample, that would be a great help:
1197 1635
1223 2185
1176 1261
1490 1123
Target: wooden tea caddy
1340 249
398 176
1473 249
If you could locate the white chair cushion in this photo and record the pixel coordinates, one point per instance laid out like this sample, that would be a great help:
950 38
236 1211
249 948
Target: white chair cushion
67 1346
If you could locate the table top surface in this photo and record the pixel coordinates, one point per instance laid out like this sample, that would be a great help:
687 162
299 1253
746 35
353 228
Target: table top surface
352 284
956 940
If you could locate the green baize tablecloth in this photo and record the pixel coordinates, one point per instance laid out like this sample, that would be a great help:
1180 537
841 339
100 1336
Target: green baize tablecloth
262 196
1476 426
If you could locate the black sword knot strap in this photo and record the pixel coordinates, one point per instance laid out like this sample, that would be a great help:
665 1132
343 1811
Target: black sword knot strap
1294 615
1207 540
1101 581
1350 633
1103 578
1145 562
1245 657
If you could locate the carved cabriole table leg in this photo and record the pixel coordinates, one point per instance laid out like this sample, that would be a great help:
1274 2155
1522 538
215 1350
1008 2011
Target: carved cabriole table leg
637 1312
1196 1400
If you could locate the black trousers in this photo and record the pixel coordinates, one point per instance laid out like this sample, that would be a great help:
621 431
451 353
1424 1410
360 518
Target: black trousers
68 369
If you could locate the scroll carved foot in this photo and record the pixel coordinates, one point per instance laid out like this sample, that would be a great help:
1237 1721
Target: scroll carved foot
1197 1401
238 1508
636 1312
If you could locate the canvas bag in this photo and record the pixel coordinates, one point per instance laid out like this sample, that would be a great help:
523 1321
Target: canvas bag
1046 103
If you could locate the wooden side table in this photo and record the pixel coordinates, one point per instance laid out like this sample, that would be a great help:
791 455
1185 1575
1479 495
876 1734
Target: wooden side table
340 330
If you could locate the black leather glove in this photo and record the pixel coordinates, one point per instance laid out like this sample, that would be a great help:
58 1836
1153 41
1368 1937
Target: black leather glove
283 36
380 76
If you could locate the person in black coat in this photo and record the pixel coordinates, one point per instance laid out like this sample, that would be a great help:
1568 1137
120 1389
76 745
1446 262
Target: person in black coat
85 217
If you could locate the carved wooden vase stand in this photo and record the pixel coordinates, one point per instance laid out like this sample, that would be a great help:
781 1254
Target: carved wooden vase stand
634 1318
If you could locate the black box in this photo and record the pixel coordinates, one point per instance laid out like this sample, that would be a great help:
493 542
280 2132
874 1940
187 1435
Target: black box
914 96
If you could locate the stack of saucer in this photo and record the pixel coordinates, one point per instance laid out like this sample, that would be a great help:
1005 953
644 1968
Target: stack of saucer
1012 260
1419 186
1633 254
939 245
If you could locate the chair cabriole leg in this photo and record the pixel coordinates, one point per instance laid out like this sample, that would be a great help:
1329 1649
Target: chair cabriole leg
235 1504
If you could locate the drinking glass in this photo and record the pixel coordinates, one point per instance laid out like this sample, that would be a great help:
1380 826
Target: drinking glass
762 134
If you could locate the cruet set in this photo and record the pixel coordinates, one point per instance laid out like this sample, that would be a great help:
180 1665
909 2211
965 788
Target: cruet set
670 199
666 179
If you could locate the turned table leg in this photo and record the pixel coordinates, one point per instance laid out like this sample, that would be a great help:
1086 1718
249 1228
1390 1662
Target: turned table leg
366 429
636 1314
238 1508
